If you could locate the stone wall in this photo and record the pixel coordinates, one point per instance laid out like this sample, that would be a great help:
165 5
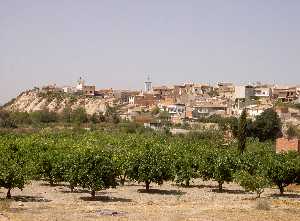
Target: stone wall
285 144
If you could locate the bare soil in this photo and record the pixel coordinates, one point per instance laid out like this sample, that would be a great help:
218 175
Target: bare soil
201 201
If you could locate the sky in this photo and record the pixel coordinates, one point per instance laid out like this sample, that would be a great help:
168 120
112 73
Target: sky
118 43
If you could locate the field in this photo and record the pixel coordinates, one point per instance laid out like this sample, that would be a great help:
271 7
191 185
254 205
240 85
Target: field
201 201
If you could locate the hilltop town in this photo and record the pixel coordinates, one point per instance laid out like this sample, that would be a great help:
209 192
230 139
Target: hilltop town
182 103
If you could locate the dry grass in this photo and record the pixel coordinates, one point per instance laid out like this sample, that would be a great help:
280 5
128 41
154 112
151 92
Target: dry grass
166 202
5 204
263 204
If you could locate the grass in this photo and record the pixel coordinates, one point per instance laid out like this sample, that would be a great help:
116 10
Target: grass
5 205
263 204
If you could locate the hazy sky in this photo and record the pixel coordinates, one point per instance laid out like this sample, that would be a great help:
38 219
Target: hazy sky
115 43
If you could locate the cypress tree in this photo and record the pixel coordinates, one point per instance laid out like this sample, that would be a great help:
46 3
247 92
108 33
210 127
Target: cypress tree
242 132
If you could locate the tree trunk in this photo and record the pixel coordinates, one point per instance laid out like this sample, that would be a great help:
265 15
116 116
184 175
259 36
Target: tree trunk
187 182
281 189
72 188
147 185
8 195
220 186
51 182
122 180
93 193
259 192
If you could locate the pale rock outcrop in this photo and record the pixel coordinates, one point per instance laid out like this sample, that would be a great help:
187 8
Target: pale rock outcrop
32 100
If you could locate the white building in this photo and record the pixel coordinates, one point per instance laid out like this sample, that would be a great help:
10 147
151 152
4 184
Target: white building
69 89
243 92
176 109
262 92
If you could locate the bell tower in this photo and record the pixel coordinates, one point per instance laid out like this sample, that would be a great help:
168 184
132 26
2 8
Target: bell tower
80 84
148 85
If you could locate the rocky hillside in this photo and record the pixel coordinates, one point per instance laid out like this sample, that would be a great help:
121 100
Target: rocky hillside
34 100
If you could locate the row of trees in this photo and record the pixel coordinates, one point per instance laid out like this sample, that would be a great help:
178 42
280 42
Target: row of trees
68 115
96 161
265 126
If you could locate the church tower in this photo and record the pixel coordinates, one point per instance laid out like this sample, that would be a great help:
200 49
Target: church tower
80 84
148 85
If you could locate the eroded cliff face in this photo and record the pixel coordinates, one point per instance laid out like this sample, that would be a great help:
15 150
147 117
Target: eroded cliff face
34 101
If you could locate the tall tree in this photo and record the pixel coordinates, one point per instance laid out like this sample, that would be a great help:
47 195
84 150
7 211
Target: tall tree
267 125
242 131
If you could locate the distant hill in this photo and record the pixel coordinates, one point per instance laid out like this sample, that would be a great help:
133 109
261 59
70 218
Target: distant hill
34 100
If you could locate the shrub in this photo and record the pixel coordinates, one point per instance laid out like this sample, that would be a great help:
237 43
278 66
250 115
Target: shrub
43 116
6 121
292 132
79 116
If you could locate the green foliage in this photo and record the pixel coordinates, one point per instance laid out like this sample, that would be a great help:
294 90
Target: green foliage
111 114
15 169
123 155
6 121
71 168
210 134
242 131
97 170
225 123
155 111
185 163
129 127
66 114
79 116
51 166
20 118
251 173
282 169
164 118
43 116
267 125
219 165
98 159
152 162
292 132
97 118
252 182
